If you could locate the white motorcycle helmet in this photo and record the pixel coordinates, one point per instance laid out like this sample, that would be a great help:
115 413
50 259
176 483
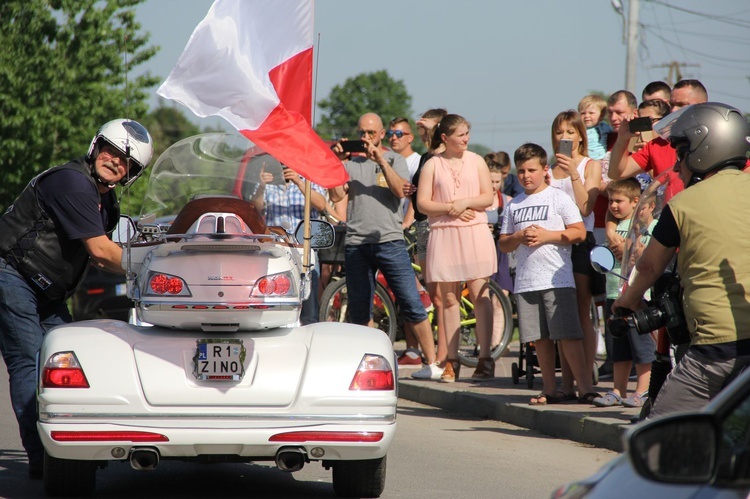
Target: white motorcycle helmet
129 137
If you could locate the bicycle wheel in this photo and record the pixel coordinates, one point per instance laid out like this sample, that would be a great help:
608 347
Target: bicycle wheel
334 307
468 348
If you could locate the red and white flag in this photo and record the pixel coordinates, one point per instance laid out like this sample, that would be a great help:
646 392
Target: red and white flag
250 62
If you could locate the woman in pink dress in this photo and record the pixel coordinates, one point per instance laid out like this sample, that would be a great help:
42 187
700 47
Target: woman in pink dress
454 191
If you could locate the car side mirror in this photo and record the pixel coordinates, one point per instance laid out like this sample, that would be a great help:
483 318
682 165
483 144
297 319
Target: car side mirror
125 230
322 234
676 449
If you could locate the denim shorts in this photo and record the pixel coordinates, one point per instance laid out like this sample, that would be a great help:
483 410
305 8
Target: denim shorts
392 259
635 347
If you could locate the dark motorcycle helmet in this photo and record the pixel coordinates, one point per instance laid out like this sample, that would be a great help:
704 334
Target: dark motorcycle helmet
710 136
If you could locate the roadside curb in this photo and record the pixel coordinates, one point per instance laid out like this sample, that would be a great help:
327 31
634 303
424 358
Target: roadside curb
600 427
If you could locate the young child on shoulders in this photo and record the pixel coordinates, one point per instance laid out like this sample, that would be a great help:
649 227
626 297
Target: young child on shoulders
593 111
631 348
540 225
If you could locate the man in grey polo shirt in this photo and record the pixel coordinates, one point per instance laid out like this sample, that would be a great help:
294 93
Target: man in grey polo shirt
375 238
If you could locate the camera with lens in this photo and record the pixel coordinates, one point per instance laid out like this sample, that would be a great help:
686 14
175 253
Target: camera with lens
665 311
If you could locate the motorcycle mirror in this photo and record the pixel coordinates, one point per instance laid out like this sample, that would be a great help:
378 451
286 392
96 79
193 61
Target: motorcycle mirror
124 231
602 259
321 234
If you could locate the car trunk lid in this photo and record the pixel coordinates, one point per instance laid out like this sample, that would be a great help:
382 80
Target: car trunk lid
273 363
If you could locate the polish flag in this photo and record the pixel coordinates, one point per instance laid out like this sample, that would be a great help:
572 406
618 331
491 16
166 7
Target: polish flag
250 62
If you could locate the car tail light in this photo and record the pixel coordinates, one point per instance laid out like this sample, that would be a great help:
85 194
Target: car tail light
165 284
373 373
62 370
274 285
107 436
328 436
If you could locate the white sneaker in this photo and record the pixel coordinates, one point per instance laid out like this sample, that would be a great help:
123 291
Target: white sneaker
430 371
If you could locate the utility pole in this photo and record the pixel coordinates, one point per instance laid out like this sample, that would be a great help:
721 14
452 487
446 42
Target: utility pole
674 74
632 53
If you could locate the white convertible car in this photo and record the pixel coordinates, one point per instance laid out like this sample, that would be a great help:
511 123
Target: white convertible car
214 366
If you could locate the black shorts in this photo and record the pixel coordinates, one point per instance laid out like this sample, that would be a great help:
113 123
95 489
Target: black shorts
581 258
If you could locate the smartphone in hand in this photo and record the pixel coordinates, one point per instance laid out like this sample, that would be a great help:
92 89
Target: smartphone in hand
565 147
639 124
353 145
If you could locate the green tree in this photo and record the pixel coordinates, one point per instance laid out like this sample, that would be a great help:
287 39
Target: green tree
366 92
65 69
480 149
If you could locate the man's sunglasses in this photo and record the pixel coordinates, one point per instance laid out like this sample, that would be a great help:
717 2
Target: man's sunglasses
397 133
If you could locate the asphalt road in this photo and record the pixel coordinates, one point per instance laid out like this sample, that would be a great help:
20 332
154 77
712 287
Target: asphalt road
435 455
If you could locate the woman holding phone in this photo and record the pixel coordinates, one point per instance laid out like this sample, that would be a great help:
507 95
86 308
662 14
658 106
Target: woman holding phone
580 177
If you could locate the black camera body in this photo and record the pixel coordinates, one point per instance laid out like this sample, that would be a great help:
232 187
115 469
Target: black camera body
665 311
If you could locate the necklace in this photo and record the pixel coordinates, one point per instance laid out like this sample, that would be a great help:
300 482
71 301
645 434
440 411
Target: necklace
455 174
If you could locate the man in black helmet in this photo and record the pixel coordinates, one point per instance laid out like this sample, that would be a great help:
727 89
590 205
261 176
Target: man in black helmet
59 223
708 222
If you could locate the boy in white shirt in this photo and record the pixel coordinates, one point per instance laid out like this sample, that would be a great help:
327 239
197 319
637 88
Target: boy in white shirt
541 225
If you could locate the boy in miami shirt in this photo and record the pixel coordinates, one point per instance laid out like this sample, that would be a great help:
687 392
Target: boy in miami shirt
541 225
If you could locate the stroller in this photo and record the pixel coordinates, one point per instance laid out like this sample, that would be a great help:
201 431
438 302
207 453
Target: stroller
528 364
527 357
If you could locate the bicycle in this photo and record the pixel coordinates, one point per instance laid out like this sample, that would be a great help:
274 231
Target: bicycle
333 307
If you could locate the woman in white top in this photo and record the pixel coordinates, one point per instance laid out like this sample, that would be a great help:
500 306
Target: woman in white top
581 178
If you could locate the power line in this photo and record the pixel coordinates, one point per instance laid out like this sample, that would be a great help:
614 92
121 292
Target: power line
695 34
710 57
727 20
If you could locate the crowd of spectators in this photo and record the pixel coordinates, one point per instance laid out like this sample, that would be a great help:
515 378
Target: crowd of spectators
451 196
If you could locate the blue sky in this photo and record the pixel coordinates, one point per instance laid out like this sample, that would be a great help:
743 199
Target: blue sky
507 66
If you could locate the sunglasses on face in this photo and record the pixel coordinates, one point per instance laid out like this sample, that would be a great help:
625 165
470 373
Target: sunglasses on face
369 133
397 133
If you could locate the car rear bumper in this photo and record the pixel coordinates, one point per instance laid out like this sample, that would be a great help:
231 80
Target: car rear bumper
101 442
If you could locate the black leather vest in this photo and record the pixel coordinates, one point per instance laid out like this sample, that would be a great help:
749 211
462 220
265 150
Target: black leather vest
29 240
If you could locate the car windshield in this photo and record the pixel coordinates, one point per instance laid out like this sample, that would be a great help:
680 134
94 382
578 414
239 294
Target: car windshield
211 164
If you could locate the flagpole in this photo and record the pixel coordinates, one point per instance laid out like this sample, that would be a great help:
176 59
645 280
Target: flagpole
306 242
315 84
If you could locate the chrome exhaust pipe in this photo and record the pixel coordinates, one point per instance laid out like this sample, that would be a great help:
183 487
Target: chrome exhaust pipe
291 459
144 459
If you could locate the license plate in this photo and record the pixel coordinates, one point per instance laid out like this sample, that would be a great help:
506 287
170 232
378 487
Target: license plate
219 359
121 289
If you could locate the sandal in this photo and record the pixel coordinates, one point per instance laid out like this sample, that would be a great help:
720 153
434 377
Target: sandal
561 396
485 368
588 398
541 399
